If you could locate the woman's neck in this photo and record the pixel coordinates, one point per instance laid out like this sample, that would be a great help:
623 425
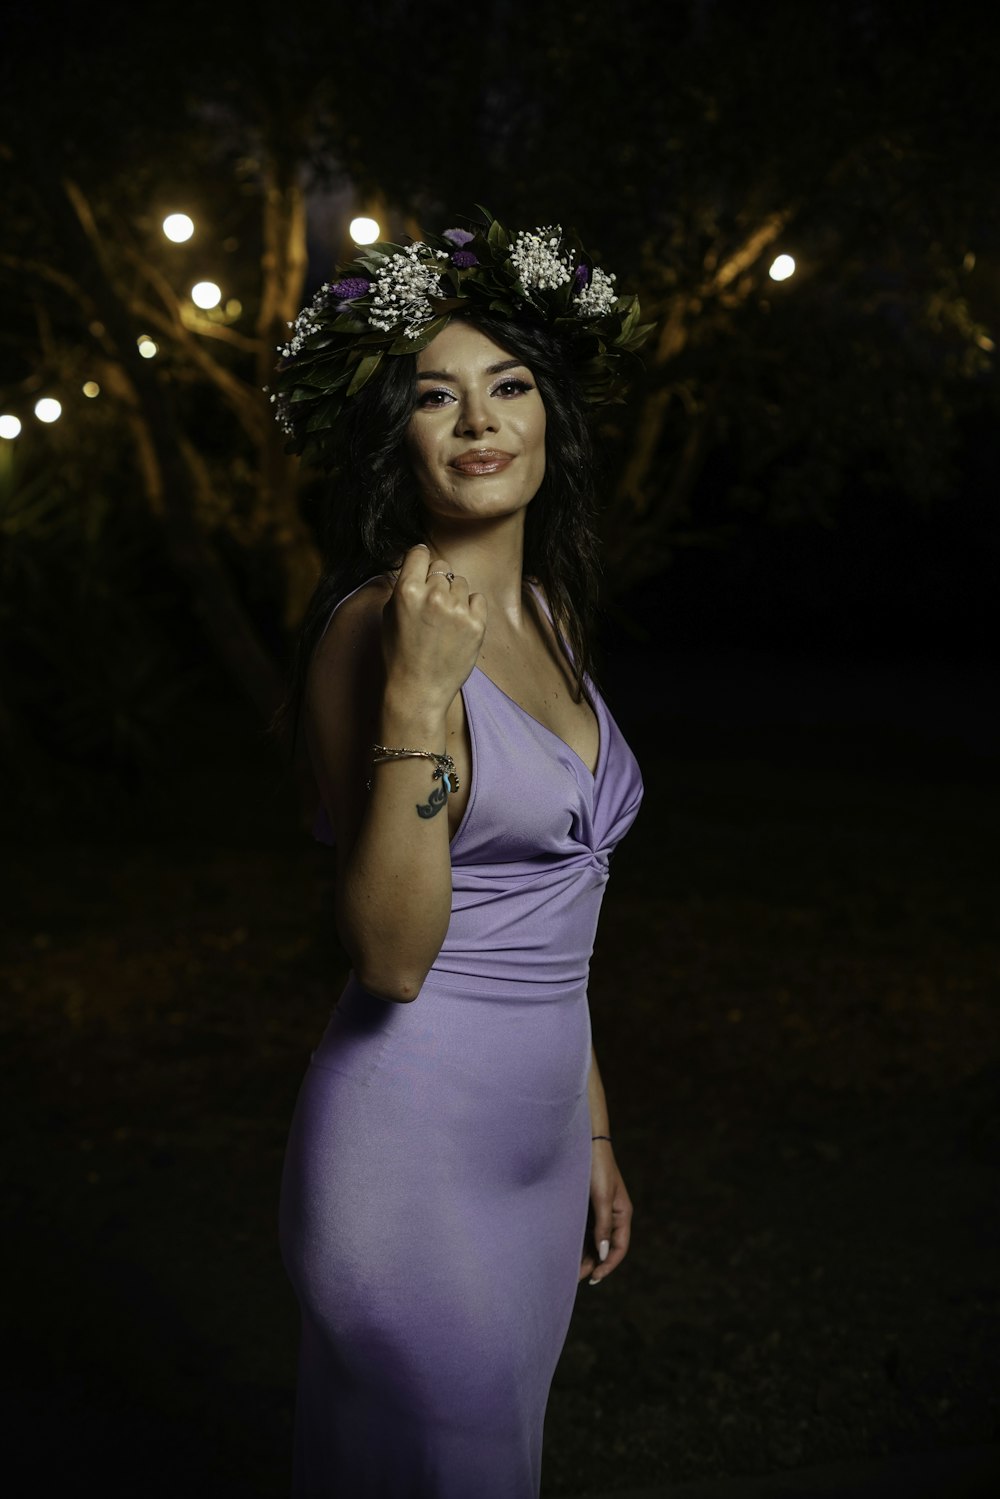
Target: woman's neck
491 556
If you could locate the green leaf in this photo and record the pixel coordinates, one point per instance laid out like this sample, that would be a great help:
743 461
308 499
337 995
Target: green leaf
403 345
323 416
372 264
366 368
631 318
349 322
640 335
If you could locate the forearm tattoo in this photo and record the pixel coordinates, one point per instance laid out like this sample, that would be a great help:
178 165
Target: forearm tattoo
432 806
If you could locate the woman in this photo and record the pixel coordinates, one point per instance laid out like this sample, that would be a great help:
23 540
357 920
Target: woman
451 1134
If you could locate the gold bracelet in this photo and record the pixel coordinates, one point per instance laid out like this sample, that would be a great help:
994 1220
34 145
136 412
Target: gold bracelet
444 765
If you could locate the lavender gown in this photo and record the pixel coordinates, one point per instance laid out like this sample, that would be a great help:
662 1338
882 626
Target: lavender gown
437 1174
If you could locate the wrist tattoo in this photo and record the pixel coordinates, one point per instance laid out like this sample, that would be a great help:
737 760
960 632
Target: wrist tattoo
432 806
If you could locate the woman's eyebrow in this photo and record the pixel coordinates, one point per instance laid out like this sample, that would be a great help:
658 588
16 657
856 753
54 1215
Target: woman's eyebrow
493 369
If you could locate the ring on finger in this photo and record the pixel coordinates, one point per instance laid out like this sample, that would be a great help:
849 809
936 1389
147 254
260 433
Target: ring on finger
449 575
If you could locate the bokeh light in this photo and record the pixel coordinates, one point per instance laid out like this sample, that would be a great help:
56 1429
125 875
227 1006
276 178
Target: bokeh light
48 409
206 294
782 267
178 227
91 388
147 348
364 231
10 426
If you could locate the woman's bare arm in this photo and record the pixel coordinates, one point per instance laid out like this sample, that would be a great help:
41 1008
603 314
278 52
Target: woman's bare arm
386 672
610 1205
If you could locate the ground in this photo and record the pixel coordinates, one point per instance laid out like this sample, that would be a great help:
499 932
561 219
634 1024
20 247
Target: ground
794 1003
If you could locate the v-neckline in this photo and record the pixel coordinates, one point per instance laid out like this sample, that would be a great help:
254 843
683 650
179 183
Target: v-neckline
551 732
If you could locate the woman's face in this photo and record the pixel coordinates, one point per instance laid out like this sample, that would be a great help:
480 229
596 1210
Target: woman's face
476 439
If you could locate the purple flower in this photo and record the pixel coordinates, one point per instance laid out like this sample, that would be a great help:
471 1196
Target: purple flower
581 277
458 237
351 288
462 259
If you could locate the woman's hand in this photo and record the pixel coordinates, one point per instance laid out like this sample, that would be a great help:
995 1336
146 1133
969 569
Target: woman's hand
609 1223
432 632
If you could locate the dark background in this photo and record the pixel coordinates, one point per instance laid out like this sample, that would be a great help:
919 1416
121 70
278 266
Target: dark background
795 984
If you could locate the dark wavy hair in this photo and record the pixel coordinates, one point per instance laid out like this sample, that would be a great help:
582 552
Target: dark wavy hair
374 512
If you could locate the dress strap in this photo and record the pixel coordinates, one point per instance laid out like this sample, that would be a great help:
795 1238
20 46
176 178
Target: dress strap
344 599
539 594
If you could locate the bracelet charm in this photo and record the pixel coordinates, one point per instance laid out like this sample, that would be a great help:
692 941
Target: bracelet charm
444 765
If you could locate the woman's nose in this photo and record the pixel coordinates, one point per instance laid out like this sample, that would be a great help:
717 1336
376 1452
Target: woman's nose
474 417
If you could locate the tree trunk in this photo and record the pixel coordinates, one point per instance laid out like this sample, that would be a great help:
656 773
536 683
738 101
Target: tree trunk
633 493
283 273
639 550
645 516
213 597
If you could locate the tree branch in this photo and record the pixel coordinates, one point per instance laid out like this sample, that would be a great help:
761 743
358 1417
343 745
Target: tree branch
183 314
750 251
49 273
248 410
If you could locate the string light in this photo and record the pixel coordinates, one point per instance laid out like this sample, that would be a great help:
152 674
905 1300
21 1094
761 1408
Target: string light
91 388
206 294
364 231
48 409
147 348
178 227
10 426
782 267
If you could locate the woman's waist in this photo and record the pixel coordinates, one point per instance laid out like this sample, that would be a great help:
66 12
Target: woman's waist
529 1047
530 947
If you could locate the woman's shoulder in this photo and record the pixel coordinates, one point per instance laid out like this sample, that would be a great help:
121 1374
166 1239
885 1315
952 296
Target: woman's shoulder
348 653
356 611
550 626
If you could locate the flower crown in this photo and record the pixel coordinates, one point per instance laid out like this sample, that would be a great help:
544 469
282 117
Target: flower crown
394 300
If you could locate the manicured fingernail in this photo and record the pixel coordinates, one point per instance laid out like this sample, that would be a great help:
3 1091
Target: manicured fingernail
594 1281
602 1250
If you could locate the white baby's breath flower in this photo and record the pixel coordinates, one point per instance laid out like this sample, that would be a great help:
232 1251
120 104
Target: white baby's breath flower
536 258
282 411
598 298
306 323
402 288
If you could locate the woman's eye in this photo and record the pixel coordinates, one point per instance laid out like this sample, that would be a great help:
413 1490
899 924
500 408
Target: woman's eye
507 389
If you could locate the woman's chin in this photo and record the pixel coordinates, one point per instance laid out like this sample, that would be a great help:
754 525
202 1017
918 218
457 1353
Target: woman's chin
487 503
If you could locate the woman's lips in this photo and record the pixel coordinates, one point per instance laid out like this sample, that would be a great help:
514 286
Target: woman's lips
483 462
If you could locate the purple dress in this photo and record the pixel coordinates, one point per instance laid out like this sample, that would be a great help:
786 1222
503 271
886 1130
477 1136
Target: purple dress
437 1174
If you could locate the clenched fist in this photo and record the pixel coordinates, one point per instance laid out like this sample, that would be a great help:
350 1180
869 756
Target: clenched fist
432 631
